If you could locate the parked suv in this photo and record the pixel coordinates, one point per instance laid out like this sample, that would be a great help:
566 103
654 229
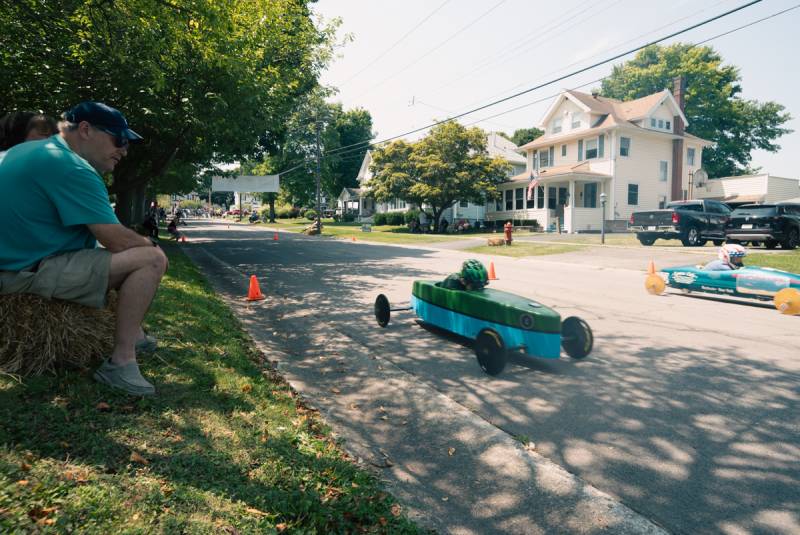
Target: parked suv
772 224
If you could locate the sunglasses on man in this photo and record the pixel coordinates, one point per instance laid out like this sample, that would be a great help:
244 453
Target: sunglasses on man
120 142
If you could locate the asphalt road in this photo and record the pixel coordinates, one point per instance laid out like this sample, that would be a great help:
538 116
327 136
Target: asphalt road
686 412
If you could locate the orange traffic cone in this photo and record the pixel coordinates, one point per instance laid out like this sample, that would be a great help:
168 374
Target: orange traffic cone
254 293
354 238
492 276
275 237
183 239
651 268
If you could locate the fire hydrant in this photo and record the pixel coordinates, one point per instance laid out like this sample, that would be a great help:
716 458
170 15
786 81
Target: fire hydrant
507 230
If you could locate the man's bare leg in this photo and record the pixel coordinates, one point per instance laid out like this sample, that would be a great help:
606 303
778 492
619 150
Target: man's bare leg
136 274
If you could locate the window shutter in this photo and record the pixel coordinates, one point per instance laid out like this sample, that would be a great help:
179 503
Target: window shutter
580 149
600 143
552 155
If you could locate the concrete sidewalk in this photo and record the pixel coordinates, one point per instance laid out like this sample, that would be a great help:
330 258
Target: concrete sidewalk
453 471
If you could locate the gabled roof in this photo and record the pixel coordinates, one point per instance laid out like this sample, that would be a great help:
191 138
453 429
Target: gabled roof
497 145
364 169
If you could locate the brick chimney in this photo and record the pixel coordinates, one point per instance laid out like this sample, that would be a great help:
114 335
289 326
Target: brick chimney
679 92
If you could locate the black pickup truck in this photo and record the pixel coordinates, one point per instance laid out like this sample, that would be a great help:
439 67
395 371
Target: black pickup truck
692 222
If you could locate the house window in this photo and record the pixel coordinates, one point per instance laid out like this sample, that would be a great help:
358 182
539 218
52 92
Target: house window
624 146
540 197
662 170
557 125
551 198
576 120
580 150
498 204
633 194
509 199
661 123
652 123
401 204
590 195
520 198
463 204
563 150
591 148
690 157
668 125
544 158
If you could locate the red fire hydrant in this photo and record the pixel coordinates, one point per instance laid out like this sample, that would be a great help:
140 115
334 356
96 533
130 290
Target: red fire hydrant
507 230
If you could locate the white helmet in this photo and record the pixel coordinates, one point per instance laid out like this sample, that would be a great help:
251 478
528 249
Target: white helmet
730 251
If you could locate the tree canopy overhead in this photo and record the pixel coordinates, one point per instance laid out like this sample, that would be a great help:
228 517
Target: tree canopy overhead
201 80
450 164
715 108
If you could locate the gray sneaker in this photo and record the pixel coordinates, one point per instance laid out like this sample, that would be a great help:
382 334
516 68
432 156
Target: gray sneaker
148 344
125 377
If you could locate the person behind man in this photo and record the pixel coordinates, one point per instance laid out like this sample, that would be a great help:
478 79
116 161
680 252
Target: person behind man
54 208
730 257
21 126
473 276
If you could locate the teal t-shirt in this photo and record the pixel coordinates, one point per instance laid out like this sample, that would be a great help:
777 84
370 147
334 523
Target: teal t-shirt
48 194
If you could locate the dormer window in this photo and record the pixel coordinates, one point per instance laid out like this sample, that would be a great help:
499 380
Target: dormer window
652 123
557 125
577 118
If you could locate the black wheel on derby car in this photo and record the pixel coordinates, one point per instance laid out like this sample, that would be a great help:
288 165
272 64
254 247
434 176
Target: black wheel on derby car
576 337
382 312
491 352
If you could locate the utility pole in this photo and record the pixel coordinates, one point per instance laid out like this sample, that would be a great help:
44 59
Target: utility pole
319 177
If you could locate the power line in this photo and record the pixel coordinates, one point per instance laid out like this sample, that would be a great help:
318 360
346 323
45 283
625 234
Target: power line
364 144
434 49
393 46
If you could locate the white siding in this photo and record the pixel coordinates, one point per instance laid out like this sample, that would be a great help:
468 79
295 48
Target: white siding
641 168
782 189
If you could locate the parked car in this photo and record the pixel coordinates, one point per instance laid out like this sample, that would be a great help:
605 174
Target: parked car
772 224
693 222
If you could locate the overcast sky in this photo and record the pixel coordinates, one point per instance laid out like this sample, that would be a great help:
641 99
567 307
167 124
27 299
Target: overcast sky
468 53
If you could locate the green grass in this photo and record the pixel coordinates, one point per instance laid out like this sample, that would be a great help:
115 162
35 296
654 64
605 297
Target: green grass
224 448
788 261
348 231
520 249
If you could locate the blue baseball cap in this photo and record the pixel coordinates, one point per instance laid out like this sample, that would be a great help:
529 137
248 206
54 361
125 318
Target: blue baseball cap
102 116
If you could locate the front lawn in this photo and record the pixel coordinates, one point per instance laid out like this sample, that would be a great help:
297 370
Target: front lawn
225 447
787 261
520 249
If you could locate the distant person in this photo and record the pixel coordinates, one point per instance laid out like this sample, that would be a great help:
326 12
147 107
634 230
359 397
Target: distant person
21 126
473 276
731 257
172 228
54 209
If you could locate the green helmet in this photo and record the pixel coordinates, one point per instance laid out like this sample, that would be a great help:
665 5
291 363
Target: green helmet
474 272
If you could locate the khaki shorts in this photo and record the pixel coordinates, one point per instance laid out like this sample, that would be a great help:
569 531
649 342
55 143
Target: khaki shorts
77 276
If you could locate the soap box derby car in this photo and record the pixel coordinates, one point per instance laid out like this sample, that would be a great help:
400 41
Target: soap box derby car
782 287
498 322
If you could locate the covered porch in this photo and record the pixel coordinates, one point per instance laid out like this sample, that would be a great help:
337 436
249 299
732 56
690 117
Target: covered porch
571 198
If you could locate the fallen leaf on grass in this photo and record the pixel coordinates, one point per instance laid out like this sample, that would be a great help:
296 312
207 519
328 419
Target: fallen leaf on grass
336 390
254 511
103 406
247 388
23 482
24 466
451 451
281 527
136 458
396 509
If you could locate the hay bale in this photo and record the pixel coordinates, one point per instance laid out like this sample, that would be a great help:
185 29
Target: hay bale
496 241
313 229
39 335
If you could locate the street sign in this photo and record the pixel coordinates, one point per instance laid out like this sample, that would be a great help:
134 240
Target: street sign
246 183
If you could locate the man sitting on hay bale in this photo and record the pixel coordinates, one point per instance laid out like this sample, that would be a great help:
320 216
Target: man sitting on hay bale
54 208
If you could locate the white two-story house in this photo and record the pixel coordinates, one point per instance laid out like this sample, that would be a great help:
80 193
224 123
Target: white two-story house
636 152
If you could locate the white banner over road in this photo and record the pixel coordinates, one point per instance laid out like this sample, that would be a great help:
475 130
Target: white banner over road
246 183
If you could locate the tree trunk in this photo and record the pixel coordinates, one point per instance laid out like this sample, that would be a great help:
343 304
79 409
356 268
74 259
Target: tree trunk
139 204
272 210
123 207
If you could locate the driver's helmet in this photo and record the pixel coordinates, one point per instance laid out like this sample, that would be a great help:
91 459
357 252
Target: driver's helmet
474 273
732 253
